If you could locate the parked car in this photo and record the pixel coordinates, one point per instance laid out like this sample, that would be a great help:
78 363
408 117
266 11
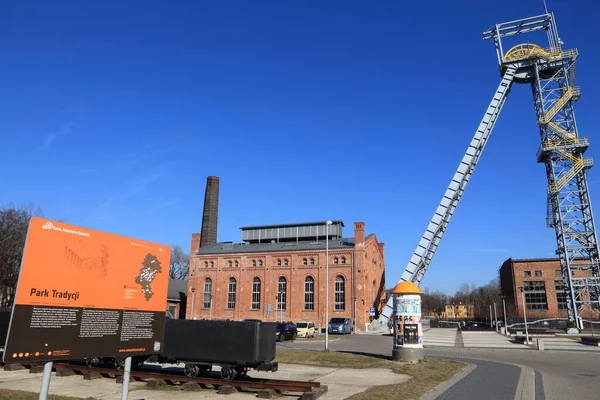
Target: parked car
306 329
340 325
286 331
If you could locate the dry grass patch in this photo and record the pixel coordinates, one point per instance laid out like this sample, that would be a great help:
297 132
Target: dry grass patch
426 375
331 359
7 394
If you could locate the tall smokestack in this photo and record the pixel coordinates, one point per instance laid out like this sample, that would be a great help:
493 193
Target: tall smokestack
208 234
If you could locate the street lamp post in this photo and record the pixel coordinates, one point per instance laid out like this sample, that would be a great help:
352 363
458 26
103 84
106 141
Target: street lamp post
504 308
525 314
495 317
193 289
327 285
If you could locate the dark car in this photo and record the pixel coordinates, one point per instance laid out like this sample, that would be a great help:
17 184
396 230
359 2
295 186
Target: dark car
286 331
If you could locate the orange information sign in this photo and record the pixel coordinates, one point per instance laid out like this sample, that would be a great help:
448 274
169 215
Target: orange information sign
87 293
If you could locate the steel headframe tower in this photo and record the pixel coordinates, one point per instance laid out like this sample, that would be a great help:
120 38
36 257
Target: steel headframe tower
551 73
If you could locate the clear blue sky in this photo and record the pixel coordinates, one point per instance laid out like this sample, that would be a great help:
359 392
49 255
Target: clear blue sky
113 113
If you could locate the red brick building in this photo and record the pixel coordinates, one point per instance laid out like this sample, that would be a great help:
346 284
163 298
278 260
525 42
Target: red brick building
542 285
278 272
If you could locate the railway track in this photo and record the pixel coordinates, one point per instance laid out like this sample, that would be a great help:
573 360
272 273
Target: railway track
308 389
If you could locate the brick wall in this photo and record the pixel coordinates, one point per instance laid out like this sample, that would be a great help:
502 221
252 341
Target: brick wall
513 276
370 272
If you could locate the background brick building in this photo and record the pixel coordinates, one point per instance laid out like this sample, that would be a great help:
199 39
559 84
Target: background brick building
542 285
278 273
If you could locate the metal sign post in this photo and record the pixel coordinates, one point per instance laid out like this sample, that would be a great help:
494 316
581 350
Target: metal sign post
46 381
126 377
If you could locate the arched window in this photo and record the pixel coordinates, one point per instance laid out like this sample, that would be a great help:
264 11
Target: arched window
207 293
281 293
231 294
279 262
312 261
340 293
304 261
230 263
256 294
237 264
205 264
343 260
285 262
254 263
260 263
335 260
212 264
309 293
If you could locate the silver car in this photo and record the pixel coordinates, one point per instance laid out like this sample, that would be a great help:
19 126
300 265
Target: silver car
340 325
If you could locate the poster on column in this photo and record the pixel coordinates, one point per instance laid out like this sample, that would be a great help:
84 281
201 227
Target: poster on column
86 293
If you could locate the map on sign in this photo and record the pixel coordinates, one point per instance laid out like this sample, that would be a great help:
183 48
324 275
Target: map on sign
151 267
409 306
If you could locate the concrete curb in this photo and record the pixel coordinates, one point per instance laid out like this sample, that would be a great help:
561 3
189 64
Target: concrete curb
526 386
442 387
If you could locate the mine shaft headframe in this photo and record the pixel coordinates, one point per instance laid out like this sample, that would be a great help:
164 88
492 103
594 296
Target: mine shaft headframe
545 22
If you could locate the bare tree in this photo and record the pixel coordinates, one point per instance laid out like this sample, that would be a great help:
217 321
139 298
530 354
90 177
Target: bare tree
14 223
180 263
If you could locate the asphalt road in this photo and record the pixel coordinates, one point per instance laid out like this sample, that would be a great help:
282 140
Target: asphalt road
559 374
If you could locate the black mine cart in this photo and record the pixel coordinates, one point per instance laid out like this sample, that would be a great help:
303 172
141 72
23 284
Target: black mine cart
235 346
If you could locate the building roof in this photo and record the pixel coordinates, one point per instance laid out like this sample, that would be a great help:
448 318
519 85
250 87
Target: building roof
177 290
340 222
229 248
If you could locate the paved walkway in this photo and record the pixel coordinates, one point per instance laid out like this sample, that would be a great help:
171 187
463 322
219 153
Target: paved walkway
489 340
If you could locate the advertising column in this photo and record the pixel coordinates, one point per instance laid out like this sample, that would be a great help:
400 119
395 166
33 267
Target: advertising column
408 331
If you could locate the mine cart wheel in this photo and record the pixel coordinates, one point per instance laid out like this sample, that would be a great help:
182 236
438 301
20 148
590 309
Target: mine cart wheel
92 362
191 370
228 373
241 371
118 363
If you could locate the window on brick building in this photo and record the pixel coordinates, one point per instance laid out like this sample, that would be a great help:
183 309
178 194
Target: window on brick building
212 264
205 264
256 294
254 263
312 261
557 273
231 294
527 274
535 295
304 261
281 293
335 260
343 260
230 263
279 262
285 262
309 294
237 264
260 263
207 293
538 273
340 293
561 294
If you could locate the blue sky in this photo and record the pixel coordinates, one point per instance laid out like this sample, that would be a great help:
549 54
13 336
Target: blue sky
113 114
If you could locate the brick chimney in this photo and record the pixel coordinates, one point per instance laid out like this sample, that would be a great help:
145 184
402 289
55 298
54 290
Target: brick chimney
208 233
359 233
195 243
